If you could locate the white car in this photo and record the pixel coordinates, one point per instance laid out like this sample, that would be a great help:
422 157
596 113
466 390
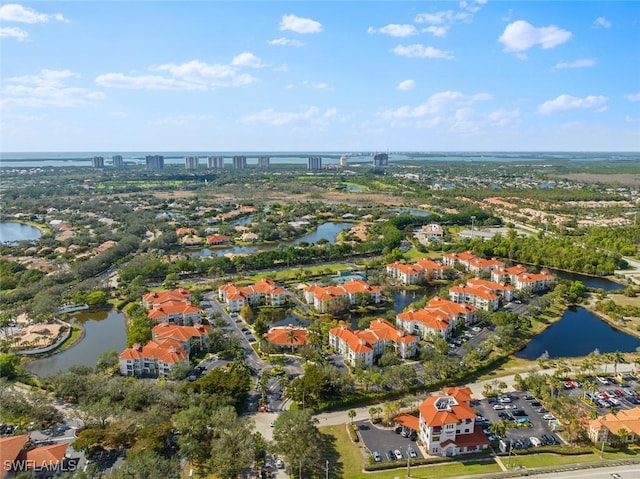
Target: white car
548 417
376 456
498 407
398 454
280 463
412 452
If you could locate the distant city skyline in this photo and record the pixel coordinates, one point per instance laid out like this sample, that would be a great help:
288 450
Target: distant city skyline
219 76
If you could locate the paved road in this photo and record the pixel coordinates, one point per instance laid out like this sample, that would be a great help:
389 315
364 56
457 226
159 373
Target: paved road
625 472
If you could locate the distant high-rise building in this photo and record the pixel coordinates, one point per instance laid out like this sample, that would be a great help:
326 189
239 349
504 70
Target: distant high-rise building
118 162
263 161
191 162
97 162
239 162
314 163
343 160
155 162
215 162
380 159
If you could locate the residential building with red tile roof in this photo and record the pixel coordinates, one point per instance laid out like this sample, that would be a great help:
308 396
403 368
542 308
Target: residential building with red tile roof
264 291
534 281
481 265
291 337
186 231
190 337
504 291
439 316
432 268
155 297
366 345
40 461
605 428
154 359
480 297
456 311
447 424
322 297
453 259
413 273
507 275
179 312
218 239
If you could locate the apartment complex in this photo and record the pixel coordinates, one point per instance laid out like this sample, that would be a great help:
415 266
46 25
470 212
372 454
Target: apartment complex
172 306
154 162
314 163
192 162
118 161
439 317
624 425
97 162
215 162
239 162
416 272
324 298
447 424
481 293
287 337
380 159
264 291
364 346
264 161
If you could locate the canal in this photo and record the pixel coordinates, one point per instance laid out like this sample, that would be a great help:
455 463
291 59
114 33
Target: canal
104 330
578 333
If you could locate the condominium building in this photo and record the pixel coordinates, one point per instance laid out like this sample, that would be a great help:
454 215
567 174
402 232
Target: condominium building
215 162
118 161
155 162
239 162
191 162
264 291
447 424
324 298
263 161
380 159
97 162
314 163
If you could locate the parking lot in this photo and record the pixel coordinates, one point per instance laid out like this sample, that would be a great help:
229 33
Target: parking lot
386 441
606 392
528 415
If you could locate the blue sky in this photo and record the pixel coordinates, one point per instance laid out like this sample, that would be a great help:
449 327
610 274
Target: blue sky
320 76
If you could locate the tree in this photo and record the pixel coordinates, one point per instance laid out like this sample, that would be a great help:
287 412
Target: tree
108 362
147 465
618 358
180 370
247 313
297 439
291 338
9 365
232 443
351 414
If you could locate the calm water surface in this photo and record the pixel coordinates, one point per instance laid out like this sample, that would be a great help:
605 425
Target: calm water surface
588 281
578 333
104 330
11 232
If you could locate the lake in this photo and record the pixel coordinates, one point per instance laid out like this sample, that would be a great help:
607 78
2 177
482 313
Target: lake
11 232
578 333
589 281
403 298
328 231
104 330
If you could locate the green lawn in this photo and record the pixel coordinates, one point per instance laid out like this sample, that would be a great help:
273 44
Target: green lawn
352 461
291 274
544 460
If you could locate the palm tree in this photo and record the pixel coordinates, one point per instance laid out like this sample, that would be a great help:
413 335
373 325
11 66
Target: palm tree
352 413
617 358
291 337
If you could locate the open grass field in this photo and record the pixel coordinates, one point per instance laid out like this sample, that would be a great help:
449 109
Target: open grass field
294 273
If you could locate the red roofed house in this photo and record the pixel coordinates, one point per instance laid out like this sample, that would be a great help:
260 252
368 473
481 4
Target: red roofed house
41 461
606 428
507 275
154 359
413 273
366 345
453 259
190 337
323 296
179 312
287 336
264 291
534 282
447 424
218 239
154 297
439 316
481 298
481 265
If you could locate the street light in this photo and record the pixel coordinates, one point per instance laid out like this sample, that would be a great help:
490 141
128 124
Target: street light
473 222
408 461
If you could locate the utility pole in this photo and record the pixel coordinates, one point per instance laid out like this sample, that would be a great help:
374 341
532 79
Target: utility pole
408 463
299 469
473 223
602 448
326 471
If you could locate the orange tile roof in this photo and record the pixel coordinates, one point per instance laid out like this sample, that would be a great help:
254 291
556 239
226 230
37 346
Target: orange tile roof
459 394
463 256
162 296
186 231
431 319
492 285
10 448
166 350
452 414
354 343
172 307
627 419
486 263
45 456
385 330
427 263
280 335
474 291
534 278
406 268
408 420
449 307
476 438
216 239
168 330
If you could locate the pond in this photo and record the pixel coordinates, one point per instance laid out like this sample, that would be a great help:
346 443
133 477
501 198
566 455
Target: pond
578 333
403 298
11 232
596 282
104 330
328 231
412 211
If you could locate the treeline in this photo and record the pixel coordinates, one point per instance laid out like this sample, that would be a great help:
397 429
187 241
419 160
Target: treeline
561 253
623 240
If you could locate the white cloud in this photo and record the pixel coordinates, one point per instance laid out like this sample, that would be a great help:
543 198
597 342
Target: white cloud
504 118
395 30
179 120
568 102
192 75
47 88
247 59
13 12
309 116
406 85
14 32
296 24
581 63
436 31
436 105
285 42
602 22
316 85
633 97
440 22
418 50
520 36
